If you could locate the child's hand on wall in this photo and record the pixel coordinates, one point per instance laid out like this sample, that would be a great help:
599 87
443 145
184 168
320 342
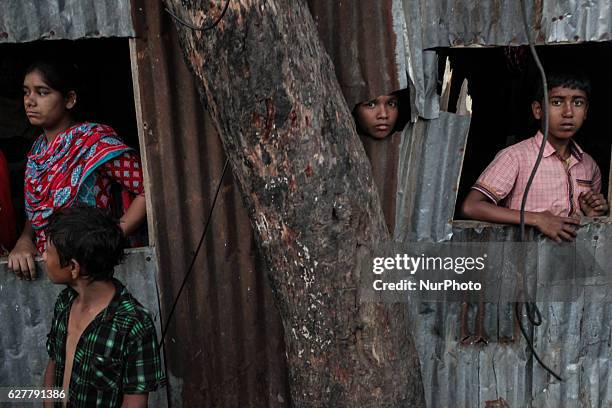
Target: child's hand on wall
557 228
593 204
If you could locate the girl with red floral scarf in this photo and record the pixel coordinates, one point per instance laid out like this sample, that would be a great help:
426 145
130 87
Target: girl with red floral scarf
70 162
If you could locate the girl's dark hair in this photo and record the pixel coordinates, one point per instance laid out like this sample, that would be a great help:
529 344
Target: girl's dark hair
59 75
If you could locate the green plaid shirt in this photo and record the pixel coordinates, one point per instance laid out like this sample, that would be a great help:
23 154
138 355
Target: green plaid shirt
117 353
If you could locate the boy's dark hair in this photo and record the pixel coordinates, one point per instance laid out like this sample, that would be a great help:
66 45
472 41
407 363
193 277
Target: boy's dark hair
59 75
572 80
89 236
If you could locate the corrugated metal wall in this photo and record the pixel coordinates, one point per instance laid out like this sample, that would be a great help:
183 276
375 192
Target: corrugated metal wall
574 340
453 376
224 345
30 20
431 158
492 22
575 337
226 322
360 38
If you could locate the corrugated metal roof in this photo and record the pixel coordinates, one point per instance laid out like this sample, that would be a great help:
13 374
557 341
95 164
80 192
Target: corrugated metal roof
492 22
30 20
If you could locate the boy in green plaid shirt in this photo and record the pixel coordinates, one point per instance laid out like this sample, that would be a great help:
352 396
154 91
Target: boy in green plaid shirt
102 344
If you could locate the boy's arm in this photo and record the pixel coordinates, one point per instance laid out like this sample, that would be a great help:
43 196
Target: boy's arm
49 381
143 372
477 206
135 400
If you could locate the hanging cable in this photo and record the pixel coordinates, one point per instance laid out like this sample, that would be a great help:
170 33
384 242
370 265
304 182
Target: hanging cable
533 313
194 258
196 28
212 207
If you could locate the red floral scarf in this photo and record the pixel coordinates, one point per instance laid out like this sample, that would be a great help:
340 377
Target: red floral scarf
55 172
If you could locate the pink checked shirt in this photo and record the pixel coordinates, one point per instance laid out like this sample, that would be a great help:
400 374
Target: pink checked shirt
556 186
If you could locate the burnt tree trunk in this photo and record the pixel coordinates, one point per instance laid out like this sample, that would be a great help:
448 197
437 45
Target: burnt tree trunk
306 181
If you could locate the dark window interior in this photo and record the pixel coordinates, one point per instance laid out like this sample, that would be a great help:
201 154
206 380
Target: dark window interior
502 81
106 95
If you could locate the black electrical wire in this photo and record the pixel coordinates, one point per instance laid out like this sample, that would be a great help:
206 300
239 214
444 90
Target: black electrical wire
195 256
212 207
545 110
533 313
530 343
196 28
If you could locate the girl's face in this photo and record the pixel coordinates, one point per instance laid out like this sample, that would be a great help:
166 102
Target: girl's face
377 117
45 107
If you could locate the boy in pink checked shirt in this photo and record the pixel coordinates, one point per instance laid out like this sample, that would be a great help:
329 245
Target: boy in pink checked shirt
568 181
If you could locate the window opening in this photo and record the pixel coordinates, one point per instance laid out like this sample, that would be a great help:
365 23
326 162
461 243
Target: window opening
502 82
106 97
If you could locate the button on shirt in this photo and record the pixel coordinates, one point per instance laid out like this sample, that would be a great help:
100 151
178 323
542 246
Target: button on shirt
557 183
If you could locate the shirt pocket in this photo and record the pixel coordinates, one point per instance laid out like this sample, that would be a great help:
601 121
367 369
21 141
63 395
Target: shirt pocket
583 185
106 372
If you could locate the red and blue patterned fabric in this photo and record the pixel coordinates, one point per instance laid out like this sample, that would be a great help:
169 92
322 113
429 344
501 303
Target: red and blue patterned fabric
78 166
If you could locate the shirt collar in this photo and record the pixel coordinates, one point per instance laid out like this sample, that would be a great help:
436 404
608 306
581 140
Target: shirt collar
549 150
115 304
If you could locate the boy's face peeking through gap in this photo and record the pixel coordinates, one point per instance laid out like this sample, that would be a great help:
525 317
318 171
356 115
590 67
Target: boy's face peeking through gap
377 117
567 109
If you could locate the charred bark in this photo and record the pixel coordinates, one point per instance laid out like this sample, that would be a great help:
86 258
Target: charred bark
307 184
